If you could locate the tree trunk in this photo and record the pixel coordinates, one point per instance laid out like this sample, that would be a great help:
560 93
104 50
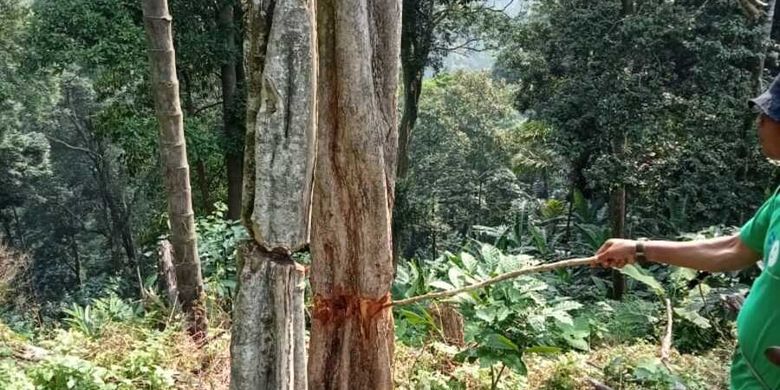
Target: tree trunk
74 247
166 273
617 207
267 346
351 344
203 183
450 322
416 40
176 173
230 118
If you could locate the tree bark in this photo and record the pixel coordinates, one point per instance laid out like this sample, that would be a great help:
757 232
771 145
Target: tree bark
351 344
176 173
617 207
267 345
230 114
416 41
166 273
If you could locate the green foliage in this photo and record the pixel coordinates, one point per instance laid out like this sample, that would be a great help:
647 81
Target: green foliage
91 319
68 372
504 321
648 97
13 378
218 239
464 127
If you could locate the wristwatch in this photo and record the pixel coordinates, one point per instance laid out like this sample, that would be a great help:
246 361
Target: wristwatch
640 256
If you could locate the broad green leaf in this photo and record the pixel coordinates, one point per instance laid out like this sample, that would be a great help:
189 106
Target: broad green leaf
491 254
498 341
641 275
487 314
567 305
543 349
693 316
454 275
469 262
413 318
562 317
515 362
442 285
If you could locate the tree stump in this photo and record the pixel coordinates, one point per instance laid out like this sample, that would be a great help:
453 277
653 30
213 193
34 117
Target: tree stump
267 346
450 321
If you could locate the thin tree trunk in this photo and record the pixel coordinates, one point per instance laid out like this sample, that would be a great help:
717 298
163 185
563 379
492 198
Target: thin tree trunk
176 174
203 184
230 121
617 207
617 195
352 336
267 345
166 273
76 259
416 40
18 226
413 76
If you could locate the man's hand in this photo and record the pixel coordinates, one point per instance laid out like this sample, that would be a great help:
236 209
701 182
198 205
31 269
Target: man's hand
616 253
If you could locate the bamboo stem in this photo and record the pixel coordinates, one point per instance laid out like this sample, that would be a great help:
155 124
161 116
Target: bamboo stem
500 278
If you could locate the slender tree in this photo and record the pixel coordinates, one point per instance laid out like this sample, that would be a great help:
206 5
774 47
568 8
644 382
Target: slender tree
351 345
268 336
231 119
176 172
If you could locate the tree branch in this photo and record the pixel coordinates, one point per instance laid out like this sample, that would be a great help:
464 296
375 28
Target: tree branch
206 107
500 278
666 342
69 146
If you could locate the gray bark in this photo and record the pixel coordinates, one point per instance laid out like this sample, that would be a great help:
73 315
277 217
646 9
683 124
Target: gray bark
267 345
351 344
280 123
166 273
176 173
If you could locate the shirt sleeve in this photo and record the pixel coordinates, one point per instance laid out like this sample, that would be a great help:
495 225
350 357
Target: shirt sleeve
753 233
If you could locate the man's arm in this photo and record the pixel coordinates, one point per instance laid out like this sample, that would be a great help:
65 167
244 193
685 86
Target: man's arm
720 254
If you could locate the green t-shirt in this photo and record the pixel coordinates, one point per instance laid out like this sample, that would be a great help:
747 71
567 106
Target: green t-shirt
758 323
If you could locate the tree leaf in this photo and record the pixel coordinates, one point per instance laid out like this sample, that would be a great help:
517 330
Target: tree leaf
641 275
498 341
543 349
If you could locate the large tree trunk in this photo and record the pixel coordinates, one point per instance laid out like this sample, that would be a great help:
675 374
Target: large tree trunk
416 40
267 345
176 172
351 344
231 121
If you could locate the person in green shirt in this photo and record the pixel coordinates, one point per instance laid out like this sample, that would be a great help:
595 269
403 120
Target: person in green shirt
758 323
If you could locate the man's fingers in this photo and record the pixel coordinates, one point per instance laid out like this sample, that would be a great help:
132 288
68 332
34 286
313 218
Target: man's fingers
604 248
